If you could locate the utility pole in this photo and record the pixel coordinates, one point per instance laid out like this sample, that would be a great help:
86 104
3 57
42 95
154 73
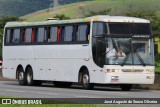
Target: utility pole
55 4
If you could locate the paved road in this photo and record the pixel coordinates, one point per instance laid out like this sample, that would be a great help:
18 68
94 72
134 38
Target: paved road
11 88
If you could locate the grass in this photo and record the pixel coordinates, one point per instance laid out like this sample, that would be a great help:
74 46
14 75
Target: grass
157 69
75 10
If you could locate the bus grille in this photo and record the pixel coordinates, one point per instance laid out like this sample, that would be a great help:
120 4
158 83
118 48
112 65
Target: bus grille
132 70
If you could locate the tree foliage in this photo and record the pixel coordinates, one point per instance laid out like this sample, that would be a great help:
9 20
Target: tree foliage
61 17
93 13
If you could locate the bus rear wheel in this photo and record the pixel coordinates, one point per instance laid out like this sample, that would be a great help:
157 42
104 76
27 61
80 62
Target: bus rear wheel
126 87
29 77
21 77
86 81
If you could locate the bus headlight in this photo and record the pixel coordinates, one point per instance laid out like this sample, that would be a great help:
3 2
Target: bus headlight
150 70
115 70
112 70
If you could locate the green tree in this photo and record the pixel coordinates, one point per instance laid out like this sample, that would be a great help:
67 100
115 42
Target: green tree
3 21
61 17
93 13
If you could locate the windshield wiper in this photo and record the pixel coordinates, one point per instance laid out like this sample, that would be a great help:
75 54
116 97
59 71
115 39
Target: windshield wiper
140 58
125 60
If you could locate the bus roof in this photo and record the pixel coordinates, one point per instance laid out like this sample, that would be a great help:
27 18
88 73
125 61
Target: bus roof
103 18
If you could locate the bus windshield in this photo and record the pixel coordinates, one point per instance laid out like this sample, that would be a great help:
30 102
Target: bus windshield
129 51
124 44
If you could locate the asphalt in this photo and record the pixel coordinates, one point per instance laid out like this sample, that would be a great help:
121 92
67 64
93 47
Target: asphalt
47 90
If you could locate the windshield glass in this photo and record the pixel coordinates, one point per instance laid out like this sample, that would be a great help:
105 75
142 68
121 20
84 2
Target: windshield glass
122 44
129 51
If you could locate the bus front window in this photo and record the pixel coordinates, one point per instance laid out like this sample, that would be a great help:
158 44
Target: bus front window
129 51
123 44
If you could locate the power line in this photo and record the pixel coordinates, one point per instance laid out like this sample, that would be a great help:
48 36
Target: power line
55 4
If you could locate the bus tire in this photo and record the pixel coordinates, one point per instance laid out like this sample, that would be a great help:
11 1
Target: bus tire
86 81
21 77
126 87
29 77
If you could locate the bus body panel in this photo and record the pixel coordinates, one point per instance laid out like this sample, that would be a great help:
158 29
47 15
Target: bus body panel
62 62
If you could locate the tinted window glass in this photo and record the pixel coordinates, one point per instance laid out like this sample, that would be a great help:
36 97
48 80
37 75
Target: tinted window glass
16 36
98 28
41 34
53 34
130 28
82 33
68 33
8 35
28 35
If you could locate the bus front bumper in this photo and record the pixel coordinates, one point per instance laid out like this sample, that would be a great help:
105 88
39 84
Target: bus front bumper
130 78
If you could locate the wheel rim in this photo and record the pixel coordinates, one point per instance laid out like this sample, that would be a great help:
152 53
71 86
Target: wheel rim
85 80
29 77
21 76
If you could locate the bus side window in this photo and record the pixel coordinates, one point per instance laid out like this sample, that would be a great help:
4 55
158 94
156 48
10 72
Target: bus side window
28 35
99 28
53 34
41 34
82 35
7 38
16 36
11 36
68 33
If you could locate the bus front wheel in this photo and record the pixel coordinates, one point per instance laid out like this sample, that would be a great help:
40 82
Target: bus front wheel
86 81
126 87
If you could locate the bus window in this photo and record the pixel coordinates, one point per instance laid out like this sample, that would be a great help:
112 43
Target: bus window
41 34
53 34
82 33
68 33
28 35
8 36
16 36
98 28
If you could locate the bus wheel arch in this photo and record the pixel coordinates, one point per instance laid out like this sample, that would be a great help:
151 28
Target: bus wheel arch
84 78
20 75
81 73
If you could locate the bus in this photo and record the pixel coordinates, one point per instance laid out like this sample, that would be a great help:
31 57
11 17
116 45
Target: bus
117 50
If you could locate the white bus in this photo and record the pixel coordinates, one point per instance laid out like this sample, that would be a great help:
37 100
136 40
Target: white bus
94 50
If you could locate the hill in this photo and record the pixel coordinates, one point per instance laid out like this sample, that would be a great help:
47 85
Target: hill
76 10
23 7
